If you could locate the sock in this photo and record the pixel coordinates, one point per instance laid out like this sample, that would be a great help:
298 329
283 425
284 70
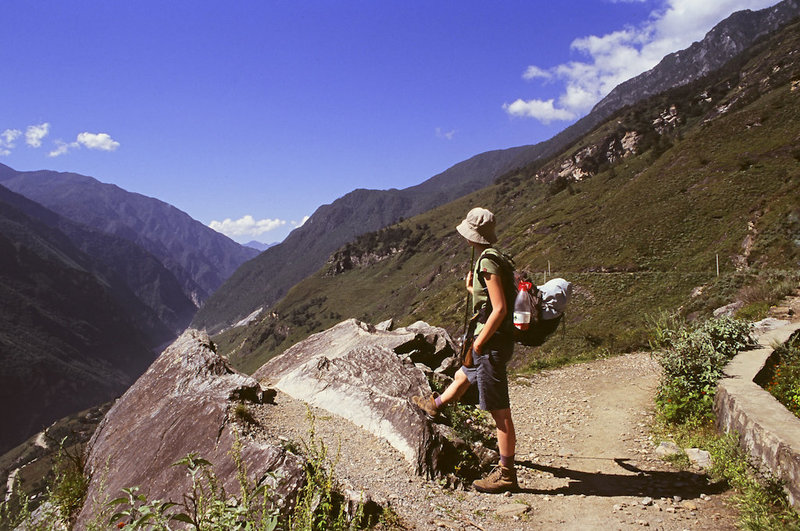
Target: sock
507 461
438 401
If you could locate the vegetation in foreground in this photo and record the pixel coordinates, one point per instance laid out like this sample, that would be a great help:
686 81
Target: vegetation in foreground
782 376
692 357
320 504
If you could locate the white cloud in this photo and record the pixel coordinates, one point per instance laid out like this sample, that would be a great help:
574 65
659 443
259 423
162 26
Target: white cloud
35 133
246 226
8 141
544 111
97 141
10 135
100 141
448 135
62 148
623 54
532 72
301 223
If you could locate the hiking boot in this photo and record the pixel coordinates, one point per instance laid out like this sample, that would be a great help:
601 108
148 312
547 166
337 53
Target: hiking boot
501 479
427 404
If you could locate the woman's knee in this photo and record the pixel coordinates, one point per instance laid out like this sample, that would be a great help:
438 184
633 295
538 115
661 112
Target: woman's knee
502 416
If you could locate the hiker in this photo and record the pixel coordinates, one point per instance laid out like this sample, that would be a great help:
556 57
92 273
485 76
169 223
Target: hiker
492 347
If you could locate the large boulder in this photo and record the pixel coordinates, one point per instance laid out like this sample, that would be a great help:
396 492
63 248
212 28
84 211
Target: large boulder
368 375
184 403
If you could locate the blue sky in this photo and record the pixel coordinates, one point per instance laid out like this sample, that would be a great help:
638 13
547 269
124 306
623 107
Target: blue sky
248 115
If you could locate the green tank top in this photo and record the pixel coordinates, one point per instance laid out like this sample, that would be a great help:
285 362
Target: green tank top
480 294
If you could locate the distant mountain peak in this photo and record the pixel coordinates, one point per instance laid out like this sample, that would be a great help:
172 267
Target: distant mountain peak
723 42
260 246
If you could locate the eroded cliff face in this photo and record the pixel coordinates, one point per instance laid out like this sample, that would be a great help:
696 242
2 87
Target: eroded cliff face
183 404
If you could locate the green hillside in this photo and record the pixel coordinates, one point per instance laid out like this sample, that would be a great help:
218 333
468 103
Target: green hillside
635 214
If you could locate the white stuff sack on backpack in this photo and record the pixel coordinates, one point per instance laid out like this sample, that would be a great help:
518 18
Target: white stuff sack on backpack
555 295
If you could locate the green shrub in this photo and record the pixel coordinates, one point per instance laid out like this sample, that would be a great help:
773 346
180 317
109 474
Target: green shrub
65 494
754 311
70 482
783 378
761 501
15 509
243 414
693 358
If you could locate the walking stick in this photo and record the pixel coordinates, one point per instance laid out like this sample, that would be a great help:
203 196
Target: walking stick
466 305
466 343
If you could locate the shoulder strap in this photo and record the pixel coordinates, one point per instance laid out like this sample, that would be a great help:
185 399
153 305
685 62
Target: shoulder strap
502 260
506 265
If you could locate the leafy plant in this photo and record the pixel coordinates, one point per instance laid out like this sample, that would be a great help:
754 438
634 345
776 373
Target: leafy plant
693 358
15 508
65 494
320 506
205 506
140 512
71 480
783 376
760 499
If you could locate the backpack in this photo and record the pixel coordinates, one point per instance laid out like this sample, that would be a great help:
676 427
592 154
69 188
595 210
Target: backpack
548 301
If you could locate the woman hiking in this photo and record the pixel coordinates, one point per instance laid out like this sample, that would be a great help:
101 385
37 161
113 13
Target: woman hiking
492 347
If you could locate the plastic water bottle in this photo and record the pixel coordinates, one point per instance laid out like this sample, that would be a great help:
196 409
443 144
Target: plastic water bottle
523 306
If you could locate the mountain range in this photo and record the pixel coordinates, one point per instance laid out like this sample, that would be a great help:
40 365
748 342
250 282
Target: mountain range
264 280
94 284
68 339
199 257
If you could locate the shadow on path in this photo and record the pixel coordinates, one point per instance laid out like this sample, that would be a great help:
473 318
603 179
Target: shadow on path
653 483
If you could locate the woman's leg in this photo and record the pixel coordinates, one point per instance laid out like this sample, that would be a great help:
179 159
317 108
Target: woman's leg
506 435
432 404
504 477
456 389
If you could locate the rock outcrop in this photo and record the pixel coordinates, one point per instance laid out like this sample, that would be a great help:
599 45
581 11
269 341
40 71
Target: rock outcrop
184 403
367 375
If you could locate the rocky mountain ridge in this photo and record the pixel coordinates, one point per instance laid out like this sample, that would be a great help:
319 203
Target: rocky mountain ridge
726 40
86 307
152 295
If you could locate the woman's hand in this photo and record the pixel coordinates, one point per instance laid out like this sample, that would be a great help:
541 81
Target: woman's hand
469 282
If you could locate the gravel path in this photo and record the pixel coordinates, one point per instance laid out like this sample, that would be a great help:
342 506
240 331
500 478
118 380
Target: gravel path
584 454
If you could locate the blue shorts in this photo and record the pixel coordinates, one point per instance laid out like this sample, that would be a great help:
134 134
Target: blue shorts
489 372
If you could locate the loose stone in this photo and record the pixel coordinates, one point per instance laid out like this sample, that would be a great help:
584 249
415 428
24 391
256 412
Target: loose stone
512 510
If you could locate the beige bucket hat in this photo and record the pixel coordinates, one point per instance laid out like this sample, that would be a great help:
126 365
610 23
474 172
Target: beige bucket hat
478 226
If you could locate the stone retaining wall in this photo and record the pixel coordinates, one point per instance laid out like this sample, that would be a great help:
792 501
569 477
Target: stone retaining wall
769 432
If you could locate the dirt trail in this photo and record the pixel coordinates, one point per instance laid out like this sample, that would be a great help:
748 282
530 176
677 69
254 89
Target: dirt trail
591 462
585 460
